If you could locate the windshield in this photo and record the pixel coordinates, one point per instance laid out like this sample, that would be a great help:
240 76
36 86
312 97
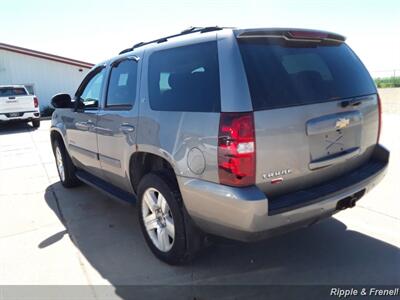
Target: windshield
286 75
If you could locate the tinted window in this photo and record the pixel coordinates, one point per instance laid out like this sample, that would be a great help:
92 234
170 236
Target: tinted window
92 92
122 84
281 76
185 79
11 91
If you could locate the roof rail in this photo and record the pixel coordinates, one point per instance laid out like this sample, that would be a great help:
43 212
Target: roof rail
184 32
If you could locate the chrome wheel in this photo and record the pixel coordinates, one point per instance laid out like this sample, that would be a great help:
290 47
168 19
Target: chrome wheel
158 219
60 164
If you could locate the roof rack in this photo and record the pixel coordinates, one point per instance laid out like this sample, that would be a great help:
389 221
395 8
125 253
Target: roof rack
184 32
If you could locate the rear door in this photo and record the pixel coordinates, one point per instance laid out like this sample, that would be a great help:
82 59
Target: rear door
315 111
15 99
117 121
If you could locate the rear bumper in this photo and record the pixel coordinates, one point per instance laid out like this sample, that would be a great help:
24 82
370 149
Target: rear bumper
246 214
22 116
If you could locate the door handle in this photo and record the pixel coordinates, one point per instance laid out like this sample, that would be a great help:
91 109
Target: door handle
84 125
127 128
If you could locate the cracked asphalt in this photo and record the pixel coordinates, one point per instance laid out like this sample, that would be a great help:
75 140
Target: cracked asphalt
53 236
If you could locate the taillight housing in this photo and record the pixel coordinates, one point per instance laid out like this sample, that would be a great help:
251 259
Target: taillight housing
380 118
308 34
35 102
236 149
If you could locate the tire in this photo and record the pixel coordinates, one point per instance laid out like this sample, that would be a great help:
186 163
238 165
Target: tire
186 241
66 171
36 123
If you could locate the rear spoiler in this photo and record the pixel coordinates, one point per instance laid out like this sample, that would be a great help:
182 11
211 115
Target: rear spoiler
291 35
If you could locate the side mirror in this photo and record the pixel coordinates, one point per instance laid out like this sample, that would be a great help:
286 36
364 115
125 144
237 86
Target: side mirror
61 101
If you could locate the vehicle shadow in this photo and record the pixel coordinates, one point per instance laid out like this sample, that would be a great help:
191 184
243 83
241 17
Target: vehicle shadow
107 233
15 127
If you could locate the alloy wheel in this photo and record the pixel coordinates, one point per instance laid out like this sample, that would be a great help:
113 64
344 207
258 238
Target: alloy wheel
158 219
60 164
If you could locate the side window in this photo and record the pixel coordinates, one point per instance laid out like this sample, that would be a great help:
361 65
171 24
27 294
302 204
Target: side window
185 79
122 84
91 94
30 88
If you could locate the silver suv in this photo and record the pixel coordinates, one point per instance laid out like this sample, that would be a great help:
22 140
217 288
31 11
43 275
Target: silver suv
239 133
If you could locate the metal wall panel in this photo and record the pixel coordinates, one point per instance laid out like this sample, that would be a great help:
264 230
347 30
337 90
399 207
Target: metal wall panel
48 77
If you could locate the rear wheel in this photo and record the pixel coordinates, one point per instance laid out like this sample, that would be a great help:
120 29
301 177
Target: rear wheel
65 167
36 123
166 228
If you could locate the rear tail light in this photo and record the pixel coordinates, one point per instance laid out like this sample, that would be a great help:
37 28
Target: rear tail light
35 102
380 118
236 149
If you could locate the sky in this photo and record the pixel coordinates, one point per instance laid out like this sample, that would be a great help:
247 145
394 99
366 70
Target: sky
93 31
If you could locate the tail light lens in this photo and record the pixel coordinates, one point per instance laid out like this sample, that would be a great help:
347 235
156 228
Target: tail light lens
380 118
35 102
308 34
236 149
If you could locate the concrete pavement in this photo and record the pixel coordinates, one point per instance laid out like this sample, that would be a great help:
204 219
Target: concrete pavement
53 235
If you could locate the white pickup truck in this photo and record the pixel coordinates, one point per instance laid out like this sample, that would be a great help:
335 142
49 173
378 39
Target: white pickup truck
17 105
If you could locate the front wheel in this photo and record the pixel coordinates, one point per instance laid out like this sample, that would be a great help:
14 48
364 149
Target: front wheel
65 167
162 220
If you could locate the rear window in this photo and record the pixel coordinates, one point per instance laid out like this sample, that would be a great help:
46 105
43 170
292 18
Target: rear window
185 79
12 91
122 86
281 76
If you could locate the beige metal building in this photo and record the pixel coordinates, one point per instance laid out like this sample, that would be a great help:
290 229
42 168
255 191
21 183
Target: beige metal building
42 73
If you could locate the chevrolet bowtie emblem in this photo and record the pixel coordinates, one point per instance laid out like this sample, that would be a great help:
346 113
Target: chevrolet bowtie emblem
342 123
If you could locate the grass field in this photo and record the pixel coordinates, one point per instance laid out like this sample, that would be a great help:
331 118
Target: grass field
388 82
